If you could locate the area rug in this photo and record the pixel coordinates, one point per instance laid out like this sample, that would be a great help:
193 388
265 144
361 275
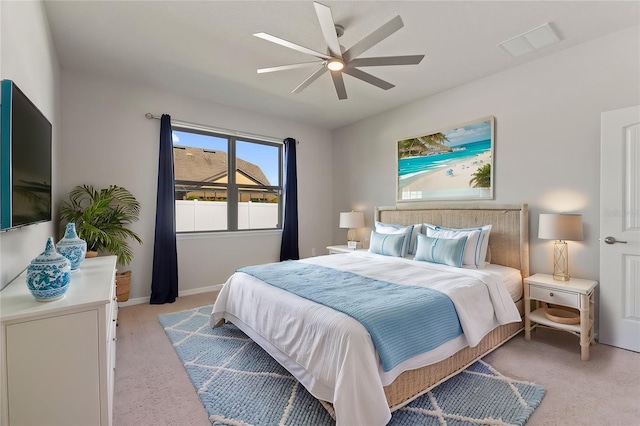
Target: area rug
240 384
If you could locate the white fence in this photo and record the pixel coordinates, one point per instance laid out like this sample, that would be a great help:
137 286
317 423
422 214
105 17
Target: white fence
196 215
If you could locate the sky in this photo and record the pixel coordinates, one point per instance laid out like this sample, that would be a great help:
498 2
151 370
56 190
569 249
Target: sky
469 133
264 156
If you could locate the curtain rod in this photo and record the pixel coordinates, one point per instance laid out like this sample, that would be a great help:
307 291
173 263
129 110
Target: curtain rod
218 129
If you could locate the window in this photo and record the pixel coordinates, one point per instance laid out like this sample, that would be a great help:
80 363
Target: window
226 183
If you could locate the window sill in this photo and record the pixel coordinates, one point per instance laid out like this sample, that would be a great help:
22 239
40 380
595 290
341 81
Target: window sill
228 234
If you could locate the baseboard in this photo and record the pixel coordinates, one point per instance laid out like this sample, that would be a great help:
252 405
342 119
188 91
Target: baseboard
142 300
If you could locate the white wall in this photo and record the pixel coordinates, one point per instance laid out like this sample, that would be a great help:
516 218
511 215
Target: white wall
547 146
27 57
107 140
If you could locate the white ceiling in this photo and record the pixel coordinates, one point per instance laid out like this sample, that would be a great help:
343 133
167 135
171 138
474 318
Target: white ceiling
206 48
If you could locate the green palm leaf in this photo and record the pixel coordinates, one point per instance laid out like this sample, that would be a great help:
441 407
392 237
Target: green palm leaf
100 216
482 177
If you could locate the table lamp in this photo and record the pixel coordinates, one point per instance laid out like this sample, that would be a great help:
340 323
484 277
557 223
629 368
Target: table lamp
351 220
560 227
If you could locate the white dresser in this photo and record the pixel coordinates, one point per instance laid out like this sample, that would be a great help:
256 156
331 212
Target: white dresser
58 357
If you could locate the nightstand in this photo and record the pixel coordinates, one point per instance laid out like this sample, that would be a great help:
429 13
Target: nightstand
576 293
340 249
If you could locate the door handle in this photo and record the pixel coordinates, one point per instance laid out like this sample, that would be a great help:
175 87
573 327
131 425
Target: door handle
612 240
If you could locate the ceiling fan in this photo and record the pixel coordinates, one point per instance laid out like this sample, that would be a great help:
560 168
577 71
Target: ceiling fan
337 62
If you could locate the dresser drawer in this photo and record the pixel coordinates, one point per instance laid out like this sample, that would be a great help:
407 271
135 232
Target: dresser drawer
559 297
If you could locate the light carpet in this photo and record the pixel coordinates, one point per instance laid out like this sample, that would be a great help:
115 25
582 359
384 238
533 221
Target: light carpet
240 384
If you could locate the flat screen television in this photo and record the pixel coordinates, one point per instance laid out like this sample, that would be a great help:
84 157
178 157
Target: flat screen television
25 160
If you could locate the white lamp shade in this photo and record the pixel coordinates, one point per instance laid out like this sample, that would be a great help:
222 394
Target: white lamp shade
560 227
351 220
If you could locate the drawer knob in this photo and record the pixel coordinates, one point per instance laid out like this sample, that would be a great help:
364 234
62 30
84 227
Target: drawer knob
551 294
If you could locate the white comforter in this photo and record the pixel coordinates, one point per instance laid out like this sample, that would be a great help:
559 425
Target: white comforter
332 354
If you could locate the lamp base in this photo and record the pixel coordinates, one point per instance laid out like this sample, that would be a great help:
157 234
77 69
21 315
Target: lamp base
561 261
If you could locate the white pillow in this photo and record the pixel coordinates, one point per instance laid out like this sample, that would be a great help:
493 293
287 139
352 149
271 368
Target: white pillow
475 251
409 245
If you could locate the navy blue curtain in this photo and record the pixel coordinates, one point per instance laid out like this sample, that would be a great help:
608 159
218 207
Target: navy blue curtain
289 248
164 281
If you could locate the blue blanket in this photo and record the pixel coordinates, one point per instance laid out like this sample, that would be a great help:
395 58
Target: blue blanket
403 320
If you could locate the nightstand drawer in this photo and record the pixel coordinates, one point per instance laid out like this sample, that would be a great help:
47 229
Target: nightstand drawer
558 297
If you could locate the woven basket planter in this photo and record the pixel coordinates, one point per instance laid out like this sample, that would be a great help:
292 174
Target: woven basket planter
562 314
123 284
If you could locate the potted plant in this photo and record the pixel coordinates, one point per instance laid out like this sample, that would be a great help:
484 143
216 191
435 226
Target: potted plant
101 217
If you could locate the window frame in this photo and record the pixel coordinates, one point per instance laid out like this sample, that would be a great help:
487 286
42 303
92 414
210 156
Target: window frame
232 187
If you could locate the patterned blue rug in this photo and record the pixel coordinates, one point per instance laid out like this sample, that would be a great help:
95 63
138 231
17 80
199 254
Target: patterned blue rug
240 384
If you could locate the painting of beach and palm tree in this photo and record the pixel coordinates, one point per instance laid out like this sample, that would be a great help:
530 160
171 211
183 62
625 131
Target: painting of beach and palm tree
451 164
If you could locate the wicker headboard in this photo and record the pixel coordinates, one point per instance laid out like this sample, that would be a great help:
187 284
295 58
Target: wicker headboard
509 238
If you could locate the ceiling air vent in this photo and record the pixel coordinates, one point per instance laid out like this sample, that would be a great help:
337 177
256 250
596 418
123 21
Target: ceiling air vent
530 41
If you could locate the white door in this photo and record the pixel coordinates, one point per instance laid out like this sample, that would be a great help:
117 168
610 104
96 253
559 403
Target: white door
620 228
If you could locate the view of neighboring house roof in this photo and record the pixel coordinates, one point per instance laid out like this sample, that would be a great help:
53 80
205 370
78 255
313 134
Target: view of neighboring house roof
204 165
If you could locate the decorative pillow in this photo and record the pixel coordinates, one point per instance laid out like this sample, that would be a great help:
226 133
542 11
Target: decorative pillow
410 232
448 251
475 251
417 230
387 244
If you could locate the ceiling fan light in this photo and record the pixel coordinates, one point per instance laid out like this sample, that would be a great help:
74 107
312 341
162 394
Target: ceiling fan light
335 65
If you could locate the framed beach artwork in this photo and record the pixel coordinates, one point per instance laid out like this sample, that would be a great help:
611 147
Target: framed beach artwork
455 163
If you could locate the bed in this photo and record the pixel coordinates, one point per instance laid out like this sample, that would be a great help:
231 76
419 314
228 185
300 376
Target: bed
333 355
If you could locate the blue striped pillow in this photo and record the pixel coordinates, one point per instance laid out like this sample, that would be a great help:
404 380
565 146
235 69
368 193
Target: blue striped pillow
411 231
475 251
387 244
441 250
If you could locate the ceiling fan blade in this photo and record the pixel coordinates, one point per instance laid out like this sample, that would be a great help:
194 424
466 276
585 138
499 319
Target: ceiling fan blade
290 45
313 77
354 72
328 29
374 38
386 60
338 82
288 67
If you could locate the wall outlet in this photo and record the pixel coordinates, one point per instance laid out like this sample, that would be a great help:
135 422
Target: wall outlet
313 252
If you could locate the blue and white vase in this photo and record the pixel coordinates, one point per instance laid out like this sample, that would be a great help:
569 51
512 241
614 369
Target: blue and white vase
72 247
49 274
